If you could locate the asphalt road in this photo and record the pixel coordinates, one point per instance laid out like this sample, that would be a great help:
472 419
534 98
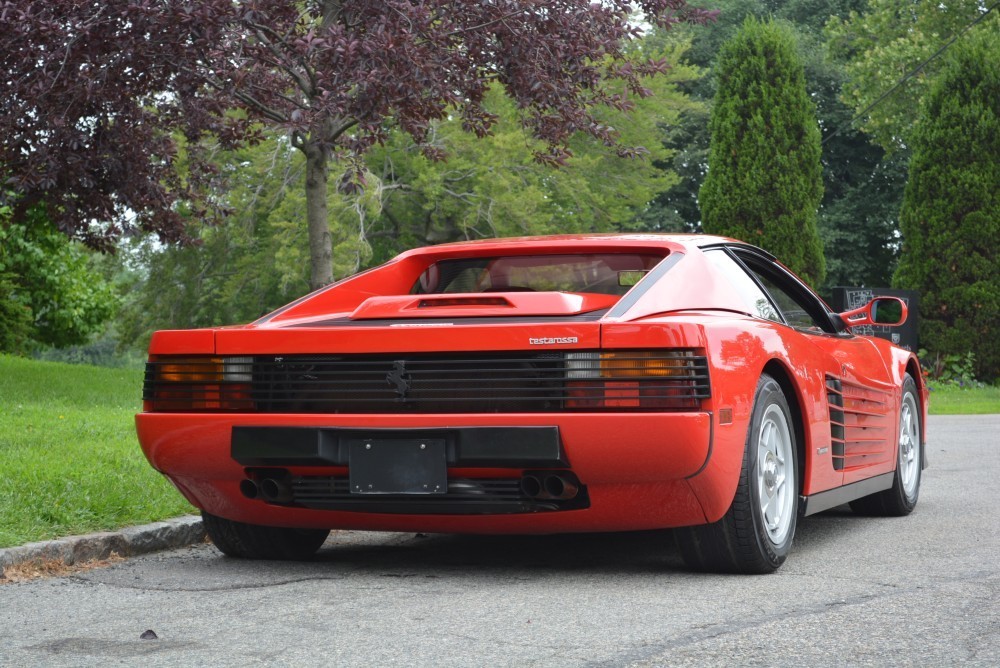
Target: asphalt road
922 590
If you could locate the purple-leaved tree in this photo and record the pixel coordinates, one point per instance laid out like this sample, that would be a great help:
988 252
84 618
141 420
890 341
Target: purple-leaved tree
94 95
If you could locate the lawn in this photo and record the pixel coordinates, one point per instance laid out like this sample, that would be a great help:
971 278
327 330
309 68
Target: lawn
954 400
69 459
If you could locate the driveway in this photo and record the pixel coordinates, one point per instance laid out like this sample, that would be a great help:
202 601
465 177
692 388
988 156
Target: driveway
920 590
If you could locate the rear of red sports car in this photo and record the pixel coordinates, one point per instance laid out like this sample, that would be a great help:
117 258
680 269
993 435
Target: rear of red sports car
449 391
518 386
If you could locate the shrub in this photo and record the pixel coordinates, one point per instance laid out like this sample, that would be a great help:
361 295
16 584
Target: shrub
764 181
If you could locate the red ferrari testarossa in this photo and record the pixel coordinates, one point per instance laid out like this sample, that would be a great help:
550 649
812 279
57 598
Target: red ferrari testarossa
542 385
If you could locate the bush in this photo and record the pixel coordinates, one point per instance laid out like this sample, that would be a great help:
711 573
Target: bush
15 318
954 369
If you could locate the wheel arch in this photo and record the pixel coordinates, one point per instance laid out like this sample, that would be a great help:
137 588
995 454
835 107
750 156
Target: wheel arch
913 368
783 376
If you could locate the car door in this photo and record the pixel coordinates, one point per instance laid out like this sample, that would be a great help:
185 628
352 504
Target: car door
861 397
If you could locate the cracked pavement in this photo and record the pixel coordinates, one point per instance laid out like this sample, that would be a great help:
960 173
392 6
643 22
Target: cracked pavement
856 591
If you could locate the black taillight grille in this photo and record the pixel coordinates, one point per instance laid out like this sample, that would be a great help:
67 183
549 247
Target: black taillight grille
461 383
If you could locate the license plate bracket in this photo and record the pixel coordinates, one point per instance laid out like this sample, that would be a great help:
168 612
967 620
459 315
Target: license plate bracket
398 466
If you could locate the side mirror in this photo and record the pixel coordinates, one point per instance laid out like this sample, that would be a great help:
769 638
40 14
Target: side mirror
884 311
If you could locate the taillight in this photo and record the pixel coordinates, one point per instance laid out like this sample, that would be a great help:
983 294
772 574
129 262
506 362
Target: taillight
637 379
198 384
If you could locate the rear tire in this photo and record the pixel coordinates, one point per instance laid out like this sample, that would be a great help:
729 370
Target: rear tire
755 535
250 541
901 498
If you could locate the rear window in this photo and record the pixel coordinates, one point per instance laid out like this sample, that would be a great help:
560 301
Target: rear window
602 273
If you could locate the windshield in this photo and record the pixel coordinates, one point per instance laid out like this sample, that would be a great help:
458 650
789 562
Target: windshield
603 273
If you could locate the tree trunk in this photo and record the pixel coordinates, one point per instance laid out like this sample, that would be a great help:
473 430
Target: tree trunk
320 240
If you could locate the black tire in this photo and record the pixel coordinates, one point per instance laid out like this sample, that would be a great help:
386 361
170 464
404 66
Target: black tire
250 541
754 536
901 498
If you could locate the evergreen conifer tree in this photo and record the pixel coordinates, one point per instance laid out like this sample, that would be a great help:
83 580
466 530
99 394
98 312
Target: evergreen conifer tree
950 217
764 181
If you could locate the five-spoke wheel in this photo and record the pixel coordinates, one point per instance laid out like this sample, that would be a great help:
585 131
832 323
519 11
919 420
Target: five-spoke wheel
755 535
775 457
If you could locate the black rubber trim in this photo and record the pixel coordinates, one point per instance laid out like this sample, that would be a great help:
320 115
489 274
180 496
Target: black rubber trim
513 447
832 498
647 282
711 445
741 247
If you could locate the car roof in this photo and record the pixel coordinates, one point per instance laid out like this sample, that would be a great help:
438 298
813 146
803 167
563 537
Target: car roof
569 242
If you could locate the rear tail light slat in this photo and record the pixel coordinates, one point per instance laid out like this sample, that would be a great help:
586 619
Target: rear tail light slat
620 380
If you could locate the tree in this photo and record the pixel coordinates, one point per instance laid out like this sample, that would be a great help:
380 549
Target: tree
885 42
862 187
858 220
951 209
495 188
764 180
95 90
257 259
245 266
50 294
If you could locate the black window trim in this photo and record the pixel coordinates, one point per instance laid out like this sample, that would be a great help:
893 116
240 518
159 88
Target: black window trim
766 263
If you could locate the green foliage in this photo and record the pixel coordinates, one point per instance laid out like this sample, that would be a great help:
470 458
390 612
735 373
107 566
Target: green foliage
68 456
886 41
497 188
858 216
15 317
103 351
951 210
51 292
252 262
859 222
954 369
16 323
239 269
764 175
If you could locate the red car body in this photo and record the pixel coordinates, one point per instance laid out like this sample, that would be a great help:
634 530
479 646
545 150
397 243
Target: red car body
432 394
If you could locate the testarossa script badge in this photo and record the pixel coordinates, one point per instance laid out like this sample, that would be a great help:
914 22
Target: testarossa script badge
553 340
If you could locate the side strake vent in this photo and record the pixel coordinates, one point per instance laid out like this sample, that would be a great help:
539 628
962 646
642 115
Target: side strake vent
835 399
650 380
860 426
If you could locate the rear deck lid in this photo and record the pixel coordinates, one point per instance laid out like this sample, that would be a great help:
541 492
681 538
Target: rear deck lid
479 305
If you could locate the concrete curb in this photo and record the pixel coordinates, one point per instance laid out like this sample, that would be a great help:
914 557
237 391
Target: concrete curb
128 542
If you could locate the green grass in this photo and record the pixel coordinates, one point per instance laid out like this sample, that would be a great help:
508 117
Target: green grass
953 400
69 459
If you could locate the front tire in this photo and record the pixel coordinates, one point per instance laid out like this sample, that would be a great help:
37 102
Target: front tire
901 498
755 535
251 541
